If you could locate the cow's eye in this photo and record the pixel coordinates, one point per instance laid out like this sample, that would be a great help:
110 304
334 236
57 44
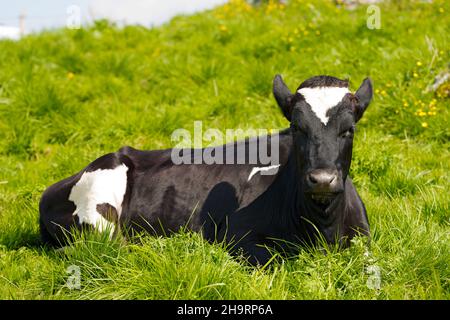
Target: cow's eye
347 133
302 131
297 128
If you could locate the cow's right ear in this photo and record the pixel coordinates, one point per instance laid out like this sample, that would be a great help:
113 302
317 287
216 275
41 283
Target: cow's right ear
283 96
364 95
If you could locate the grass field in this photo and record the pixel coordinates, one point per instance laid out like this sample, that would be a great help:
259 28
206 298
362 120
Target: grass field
69 96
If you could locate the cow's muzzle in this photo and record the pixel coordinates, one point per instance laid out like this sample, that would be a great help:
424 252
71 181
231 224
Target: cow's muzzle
323 185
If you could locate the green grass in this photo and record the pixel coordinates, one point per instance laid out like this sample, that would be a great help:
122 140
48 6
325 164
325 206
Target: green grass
69 96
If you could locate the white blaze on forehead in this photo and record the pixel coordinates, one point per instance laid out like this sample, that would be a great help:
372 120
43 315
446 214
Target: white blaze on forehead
269 170
322 99
97 187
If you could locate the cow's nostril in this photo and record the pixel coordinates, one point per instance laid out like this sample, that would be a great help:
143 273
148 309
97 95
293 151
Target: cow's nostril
321 178
312 179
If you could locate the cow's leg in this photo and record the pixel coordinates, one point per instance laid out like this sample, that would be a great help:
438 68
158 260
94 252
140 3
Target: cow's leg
257 254
254 252
93 198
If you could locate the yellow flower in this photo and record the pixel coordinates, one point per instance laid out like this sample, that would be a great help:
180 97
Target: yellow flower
441 10
383 93
415 75
424 125
418 63
405 104
223 28
420 113
70 75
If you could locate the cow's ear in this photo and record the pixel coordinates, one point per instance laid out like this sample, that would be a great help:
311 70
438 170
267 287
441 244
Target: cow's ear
283 96
364 95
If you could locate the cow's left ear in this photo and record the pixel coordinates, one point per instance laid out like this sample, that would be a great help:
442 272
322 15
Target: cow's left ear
364 95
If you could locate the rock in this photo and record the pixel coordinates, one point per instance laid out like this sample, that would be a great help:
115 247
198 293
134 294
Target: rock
441 84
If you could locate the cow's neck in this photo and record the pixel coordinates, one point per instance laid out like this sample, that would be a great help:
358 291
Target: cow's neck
305 216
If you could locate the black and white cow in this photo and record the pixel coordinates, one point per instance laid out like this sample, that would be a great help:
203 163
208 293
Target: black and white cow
310 193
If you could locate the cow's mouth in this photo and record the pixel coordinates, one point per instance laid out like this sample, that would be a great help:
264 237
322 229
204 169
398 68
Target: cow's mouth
323 199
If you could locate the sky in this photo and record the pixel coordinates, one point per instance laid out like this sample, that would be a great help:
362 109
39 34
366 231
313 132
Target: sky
45 14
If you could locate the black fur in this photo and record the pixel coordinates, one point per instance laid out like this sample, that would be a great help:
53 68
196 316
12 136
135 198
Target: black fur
323 81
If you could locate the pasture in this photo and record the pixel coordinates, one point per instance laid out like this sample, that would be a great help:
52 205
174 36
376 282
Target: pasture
70 96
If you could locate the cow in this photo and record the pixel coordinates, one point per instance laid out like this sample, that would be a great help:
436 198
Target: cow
308 196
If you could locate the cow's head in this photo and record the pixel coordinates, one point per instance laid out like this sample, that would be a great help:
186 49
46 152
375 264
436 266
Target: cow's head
323 113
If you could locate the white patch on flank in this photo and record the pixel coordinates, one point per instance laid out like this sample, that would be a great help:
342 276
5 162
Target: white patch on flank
270 170
322 99
97 187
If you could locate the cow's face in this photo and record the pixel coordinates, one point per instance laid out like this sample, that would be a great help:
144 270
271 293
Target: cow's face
323 113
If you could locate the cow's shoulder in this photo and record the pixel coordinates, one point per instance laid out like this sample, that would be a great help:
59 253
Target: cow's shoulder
145 159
